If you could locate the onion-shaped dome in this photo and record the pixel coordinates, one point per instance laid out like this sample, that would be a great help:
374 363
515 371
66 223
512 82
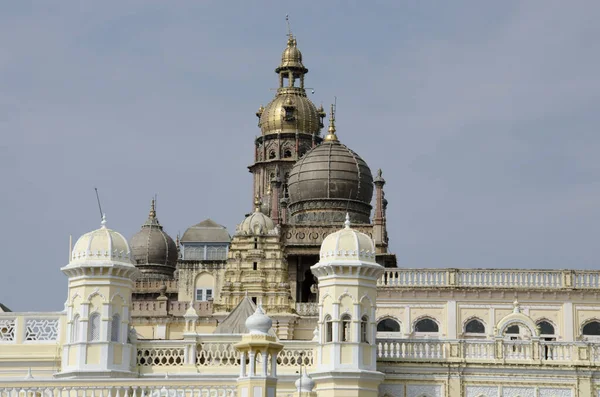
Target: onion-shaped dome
256 223
291 58
304 384
101 246
259 323
347 245
329 181
154 251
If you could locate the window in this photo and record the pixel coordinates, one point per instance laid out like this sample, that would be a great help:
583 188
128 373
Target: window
115 328
475 327
513 329
345 330
287 154
592 328
426 325
75 329
545 328
364 326
94 327
255 266
388 325
328 329
272 154
204 294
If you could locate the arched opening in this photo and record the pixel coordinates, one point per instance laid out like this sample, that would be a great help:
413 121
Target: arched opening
388 325
115 328
204 287
94 327
364 329
307 291
346 320
287 153
328 329
474 327
426 327
592 328
272 155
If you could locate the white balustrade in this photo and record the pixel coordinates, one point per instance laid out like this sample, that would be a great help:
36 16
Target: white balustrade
118 391
410 349
587 279
478 350
413 278
556 351
517 350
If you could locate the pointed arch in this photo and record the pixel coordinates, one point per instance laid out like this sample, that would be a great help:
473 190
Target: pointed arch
96 293
517 318
474 325
426 322
590 327
112 298
75 296
346 295
326 295
368 298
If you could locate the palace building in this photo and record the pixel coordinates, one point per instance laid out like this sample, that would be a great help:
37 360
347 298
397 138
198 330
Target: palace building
302 299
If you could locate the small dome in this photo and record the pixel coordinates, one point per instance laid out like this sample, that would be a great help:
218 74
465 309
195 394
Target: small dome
256 223
329 181
101 246
348 244
305 384
153 250
291 58
207 231
259 323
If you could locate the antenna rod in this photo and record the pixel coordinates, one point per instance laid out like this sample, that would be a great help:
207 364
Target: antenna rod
99 206
287 22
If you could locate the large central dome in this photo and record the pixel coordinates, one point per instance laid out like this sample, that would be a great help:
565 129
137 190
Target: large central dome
328 181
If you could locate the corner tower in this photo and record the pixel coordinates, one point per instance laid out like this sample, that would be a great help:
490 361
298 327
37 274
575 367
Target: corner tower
290 126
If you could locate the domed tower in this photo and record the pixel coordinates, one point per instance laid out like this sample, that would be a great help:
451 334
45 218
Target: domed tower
328 182
290 126
101 277
153 251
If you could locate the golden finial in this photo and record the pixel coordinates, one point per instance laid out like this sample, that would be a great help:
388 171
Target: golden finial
331 136
256 203
152 214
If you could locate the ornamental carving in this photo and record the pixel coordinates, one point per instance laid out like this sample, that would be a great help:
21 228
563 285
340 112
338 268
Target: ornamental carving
391 390
41 329
7 330
518 392
481 391
423 391
551 392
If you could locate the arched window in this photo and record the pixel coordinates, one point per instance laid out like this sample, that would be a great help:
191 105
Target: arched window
426 325
75 329
115 328
474 327
364 333
545 328
513 329
287 153
592 328
345 328
94 327
328 329
272 154
388 325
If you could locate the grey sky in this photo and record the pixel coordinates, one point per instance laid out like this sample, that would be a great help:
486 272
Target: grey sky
483 115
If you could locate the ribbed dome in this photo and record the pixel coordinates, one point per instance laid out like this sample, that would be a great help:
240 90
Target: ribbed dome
329 181
291 57
101 246
347 244
256 223
290 111
154 252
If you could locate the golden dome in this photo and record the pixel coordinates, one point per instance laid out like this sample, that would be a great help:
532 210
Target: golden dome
290 112
291 57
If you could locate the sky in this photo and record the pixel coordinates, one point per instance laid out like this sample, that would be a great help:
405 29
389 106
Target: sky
483 116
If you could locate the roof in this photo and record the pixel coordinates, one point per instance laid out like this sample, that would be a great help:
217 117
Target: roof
4 309
235 322
206 231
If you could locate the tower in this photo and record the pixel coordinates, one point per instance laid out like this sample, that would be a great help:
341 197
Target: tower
258 358
290 126
101 277
346 351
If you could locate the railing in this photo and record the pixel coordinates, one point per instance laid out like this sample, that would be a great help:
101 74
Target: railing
307 308
155 286
490 278
17 328
23 390
493 351
154 307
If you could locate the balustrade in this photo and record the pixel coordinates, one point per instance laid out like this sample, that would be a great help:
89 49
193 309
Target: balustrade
119 391
307 308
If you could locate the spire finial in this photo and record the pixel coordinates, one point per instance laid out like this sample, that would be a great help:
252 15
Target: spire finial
152 214
256 203
289 30
347 222
331 136
103 222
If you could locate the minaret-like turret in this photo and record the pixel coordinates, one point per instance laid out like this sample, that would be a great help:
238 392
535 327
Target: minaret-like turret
346 351
101 277
290 126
